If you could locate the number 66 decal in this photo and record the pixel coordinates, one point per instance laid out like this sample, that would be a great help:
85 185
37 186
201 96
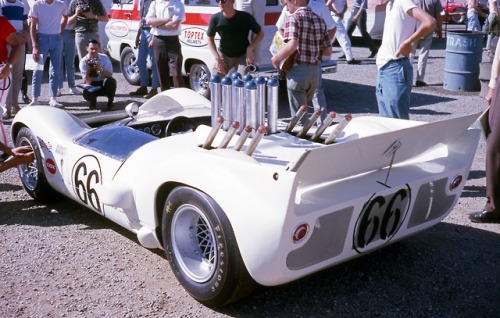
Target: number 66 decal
381 219
86 176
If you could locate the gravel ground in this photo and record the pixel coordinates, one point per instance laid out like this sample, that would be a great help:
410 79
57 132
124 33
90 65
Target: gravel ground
62 260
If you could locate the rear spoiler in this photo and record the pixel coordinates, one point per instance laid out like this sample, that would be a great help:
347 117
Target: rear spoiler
377 151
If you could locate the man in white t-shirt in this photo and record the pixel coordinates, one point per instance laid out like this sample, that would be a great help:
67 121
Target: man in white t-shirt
48 21
404 24
165 18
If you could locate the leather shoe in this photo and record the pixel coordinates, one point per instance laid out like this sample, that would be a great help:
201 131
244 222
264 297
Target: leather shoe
354 62
373 54
485 217
141 91
342 57
420 84
151 93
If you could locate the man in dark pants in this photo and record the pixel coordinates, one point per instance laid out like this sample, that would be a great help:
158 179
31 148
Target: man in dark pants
491 211
358 18
97 73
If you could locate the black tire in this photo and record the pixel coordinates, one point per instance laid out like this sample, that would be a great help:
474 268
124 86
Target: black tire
128 66
199 79
32 175
201 248
459 16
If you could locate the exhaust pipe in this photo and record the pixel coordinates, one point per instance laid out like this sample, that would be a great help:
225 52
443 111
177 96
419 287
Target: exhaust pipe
338 128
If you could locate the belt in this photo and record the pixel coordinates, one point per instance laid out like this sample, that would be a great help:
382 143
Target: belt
146 28
400 59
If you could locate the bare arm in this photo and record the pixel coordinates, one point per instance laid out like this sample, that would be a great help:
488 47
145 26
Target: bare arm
219 64
290 47
427 25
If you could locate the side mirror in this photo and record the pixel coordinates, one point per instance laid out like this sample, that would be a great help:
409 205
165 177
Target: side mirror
132 109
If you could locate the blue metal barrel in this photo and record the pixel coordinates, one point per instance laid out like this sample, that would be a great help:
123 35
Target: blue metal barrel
464 50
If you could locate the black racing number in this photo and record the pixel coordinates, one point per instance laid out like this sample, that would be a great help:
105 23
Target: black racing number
381 218
84 185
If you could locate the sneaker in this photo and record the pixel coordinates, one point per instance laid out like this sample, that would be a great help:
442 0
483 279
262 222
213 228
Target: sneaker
7 115
152 92
59 92
26 99
35 102
53 102
141 91
74 91
420 84
354 62
342 57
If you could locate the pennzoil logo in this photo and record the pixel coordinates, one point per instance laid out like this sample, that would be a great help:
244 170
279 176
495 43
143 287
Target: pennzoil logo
194 37
381 219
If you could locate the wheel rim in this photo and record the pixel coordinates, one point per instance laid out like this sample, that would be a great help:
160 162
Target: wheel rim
28 172
200 79
130 67
193 243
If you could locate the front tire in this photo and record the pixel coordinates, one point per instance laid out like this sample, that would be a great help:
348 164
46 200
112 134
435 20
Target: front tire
32 174
201 248
199 79
459 16
128 66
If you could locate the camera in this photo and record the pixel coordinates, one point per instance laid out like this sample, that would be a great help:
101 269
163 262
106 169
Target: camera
92 61
85 7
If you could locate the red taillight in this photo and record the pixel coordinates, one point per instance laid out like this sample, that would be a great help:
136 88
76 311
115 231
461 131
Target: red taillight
455 183
300 232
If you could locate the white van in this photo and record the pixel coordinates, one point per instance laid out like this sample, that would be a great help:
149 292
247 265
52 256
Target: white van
198 61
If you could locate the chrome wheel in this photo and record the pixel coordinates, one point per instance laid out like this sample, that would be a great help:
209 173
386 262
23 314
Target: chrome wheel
28 172
128 66
199 79
193 243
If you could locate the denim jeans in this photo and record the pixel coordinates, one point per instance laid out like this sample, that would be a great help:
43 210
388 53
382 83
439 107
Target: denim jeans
48 44
68 63
142 59
394 82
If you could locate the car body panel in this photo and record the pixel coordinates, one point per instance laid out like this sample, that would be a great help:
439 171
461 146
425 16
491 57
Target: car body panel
382 180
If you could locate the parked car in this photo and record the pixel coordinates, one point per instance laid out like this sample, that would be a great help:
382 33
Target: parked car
454 12
233 210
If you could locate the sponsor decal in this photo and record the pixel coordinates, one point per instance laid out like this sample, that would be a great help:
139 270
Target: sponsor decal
60 150
51 166
194 37
118 28
381 219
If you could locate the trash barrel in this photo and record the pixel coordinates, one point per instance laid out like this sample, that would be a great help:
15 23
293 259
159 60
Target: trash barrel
463 54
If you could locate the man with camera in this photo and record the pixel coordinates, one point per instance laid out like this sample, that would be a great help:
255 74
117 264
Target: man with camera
97 73
85 15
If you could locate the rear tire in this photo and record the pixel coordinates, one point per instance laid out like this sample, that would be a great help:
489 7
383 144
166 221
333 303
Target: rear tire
201 248
32 175
128 66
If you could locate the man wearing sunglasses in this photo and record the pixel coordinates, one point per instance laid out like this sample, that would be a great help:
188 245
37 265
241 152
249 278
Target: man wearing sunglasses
306 35
235 51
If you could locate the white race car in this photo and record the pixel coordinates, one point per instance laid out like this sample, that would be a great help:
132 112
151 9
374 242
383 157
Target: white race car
234 212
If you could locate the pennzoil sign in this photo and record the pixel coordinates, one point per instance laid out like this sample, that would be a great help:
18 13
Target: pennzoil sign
194 37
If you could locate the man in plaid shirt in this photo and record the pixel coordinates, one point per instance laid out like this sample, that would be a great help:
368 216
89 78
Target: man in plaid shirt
305 34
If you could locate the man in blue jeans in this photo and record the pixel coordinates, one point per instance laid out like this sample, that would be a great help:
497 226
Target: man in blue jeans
405 23
358 18
142 41
48 20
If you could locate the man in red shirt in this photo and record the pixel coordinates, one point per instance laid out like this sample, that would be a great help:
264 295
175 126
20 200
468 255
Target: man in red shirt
8 36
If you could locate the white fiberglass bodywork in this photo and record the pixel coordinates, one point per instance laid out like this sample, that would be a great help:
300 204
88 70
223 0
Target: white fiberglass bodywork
295 206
